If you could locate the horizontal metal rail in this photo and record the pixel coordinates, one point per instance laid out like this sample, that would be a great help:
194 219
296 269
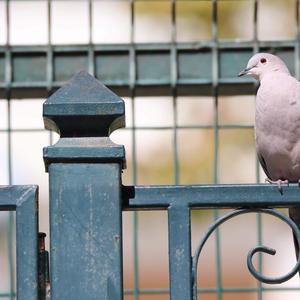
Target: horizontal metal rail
212 290
210 196
34 71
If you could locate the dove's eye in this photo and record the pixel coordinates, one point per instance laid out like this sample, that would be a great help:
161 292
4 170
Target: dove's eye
263 60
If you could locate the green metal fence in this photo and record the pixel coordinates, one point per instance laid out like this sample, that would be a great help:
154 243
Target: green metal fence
197 69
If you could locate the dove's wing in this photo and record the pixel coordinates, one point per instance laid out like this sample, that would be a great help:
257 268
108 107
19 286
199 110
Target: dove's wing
263 164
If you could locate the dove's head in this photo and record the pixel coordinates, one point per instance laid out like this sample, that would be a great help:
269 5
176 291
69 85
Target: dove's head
263 63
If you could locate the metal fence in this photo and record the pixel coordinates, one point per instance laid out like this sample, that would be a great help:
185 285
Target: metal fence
87 199
173 67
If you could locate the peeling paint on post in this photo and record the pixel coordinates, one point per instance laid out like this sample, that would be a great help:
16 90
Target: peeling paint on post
84 169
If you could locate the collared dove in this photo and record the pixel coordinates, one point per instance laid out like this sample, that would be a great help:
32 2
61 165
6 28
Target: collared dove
277 122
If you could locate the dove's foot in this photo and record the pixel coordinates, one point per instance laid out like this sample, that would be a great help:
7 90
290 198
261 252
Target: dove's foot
279 183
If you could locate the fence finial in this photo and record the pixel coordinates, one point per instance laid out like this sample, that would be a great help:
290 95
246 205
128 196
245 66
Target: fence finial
84 107
84 112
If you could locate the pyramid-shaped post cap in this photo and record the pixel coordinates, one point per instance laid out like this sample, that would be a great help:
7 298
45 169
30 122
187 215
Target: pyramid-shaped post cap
84 107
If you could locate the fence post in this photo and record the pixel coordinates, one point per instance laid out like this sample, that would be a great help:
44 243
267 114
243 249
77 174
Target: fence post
84 169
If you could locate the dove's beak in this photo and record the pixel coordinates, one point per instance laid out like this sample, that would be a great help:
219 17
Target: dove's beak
244 72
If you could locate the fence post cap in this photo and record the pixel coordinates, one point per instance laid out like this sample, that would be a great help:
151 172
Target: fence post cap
84 107
84 112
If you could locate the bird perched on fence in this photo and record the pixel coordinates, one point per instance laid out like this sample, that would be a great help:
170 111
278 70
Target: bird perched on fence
277 122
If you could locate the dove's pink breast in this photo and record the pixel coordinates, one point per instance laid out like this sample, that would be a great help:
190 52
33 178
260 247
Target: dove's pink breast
277 126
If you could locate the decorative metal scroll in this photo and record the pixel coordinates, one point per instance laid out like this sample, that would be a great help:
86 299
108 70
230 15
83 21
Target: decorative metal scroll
252 252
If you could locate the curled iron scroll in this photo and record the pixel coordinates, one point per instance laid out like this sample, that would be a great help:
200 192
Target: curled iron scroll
252 252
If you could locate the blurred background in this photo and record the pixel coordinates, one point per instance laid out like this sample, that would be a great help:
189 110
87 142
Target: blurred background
189 120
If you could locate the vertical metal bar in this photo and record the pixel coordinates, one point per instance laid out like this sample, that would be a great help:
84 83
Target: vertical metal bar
10 224
255 50
174 92
178 217
8 80
260 257
27 246
90 3
50 71
215 72
91 55
255 33
135 220
180 264
49 50
297 46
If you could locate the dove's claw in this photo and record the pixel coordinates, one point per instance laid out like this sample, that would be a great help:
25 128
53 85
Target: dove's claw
279 183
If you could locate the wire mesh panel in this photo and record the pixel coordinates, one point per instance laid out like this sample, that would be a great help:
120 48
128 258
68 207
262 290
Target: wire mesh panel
189 117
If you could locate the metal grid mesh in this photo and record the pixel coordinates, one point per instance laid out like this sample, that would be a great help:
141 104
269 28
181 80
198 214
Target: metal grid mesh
139 80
